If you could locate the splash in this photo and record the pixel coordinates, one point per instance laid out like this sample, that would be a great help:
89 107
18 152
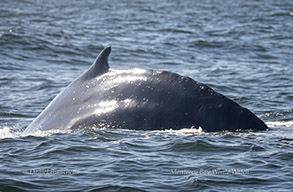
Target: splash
8 132
5 132
280 123
40 133
185 131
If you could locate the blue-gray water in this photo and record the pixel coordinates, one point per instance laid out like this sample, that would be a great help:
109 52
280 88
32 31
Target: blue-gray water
243 49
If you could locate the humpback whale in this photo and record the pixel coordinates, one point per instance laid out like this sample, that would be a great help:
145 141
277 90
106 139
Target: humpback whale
141 99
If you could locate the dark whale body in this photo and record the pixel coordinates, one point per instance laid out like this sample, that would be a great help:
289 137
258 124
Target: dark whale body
141 99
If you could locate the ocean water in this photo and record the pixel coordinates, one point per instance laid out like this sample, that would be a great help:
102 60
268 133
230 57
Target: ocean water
242 49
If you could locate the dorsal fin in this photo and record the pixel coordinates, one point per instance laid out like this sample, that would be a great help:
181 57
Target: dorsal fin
100 65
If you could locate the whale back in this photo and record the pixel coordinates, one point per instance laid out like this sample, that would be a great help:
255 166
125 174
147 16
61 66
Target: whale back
141 99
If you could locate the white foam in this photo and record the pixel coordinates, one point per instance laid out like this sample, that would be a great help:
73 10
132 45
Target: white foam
280 123
5 132
184 131
40 133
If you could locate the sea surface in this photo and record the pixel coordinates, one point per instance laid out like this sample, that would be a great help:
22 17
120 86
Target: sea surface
241 48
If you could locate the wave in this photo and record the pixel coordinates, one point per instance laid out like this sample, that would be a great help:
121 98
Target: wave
9 132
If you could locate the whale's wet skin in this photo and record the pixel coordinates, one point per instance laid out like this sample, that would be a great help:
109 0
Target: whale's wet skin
141 99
